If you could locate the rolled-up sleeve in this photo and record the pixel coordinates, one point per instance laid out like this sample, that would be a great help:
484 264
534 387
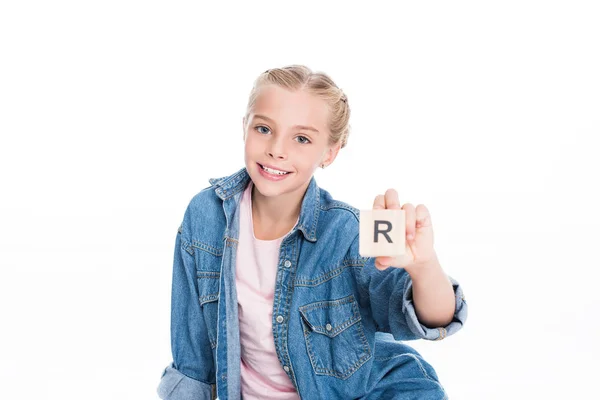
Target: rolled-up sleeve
176 386
438 333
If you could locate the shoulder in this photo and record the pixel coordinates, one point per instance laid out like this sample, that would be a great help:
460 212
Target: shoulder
339 221
338 209
204 209
204 200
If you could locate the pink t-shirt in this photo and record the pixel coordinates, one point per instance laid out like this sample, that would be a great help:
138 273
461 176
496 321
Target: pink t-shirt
262 375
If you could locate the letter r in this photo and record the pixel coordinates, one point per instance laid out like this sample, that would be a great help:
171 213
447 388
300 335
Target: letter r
388 225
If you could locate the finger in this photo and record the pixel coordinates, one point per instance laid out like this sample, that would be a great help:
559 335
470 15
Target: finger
423 217
379 202
379 265
385 260
391 199
411 220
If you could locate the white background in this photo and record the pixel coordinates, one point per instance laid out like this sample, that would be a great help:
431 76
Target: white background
114 114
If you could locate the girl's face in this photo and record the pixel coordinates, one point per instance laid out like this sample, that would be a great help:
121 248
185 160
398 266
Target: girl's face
287 131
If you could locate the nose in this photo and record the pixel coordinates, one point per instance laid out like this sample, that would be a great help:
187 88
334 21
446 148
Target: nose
276 149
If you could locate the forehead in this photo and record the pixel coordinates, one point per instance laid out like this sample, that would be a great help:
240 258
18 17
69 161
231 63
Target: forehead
291 107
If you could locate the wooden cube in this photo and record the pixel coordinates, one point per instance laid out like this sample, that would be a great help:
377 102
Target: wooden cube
382 233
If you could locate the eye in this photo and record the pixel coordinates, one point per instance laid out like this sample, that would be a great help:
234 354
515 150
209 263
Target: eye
304 137
305 140
261 126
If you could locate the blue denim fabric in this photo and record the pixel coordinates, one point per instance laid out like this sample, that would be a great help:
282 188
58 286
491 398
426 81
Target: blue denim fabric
338 322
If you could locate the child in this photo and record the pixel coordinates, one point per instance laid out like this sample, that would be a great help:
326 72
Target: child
270 296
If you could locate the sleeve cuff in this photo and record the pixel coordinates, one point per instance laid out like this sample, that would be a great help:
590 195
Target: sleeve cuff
176 386
424 332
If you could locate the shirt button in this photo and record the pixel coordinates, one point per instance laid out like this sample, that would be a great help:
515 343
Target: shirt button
286 368
328 327
287 263
279 319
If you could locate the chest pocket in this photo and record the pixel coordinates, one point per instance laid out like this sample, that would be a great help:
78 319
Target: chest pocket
335 340
208 289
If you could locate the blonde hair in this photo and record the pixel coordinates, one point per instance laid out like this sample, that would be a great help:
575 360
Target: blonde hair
299 77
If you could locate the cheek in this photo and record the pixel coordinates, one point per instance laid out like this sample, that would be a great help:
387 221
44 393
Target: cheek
250 146
308 164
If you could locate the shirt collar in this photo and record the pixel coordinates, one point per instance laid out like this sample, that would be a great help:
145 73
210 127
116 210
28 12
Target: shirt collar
229 186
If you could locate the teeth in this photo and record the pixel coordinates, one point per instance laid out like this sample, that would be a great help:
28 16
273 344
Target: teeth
273 171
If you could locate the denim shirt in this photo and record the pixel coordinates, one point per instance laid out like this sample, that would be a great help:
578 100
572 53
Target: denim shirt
330 304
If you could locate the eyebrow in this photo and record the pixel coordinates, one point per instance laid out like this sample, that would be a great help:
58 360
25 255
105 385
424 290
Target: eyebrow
309 128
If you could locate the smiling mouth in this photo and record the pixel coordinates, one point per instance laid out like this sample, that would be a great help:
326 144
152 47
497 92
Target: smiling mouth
266 169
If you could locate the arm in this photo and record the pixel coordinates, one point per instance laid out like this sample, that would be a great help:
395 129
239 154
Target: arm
389 294
191 374
433 295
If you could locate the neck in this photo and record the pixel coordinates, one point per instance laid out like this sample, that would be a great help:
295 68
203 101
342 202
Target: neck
275 211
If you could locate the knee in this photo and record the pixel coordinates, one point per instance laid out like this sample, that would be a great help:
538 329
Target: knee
403 374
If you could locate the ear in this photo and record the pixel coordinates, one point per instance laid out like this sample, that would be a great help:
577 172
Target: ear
332 153
244 128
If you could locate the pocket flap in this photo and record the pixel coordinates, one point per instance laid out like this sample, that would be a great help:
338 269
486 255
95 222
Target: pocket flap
331 317
208 286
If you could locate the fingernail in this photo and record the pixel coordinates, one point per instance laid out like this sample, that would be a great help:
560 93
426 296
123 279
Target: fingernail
410 236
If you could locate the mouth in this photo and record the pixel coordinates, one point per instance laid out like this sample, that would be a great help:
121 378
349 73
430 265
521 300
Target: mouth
272 171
